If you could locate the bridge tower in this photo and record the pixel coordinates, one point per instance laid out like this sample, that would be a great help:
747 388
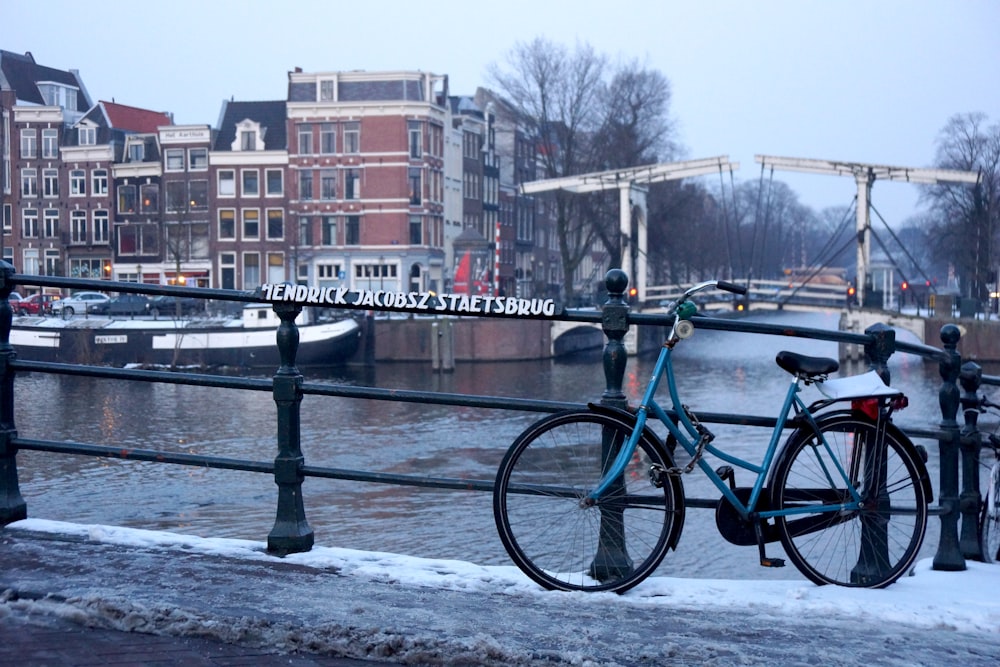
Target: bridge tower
865 175
630 182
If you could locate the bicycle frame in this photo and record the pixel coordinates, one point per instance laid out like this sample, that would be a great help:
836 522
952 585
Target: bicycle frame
690 436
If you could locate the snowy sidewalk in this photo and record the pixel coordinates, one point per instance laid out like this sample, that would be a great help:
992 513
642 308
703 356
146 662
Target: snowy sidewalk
392 608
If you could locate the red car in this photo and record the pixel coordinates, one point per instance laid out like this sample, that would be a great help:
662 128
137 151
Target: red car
35 304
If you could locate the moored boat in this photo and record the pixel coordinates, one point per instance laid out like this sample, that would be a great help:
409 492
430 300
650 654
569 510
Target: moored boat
248 341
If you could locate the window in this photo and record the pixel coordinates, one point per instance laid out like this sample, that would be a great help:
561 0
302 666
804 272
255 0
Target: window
227 270
198 159
187 241
136 152
275 180
99 181
85 268
102 226
127 199
305 231
51 261
29 183
29 223
176 196
8 219
50 225
86 136
352 231
227 224
50 182
275 267
149 197
30 261
248 140
174 158
251 182
138 239
414 187
352 184
305 139
29 144
329 230
78 227
227 183
328 184
275 224
198 191
327 138
352 137
251 270
251 223
50 143
328 275
416 140
326 90
416 230
77 183
305 184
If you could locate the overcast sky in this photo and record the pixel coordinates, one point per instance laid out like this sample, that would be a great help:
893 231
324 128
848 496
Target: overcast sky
852 80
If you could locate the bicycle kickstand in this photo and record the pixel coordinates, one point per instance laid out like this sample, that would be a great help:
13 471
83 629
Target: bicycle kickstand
765 561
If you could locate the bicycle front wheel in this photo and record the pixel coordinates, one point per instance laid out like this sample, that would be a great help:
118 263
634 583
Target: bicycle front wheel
563 543
989 520
869 546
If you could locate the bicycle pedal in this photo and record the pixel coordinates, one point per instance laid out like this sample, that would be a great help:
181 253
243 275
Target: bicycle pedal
727 474
772 562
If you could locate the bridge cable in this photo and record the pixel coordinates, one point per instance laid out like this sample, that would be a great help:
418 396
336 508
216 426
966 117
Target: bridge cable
725 218
821 262
756 223
905 251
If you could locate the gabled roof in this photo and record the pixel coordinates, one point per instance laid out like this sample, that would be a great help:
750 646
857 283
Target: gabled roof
271 115
21 74
134 119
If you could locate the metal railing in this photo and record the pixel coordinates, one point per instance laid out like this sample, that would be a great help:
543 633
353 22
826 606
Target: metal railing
957 509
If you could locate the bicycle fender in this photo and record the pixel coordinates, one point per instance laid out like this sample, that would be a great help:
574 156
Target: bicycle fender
649 436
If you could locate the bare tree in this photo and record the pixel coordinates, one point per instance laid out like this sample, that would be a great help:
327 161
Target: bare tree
587 116
965 220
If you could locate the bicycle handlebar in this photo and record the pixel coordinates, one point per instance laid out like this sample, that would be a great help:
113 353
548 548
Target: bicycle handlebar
731 287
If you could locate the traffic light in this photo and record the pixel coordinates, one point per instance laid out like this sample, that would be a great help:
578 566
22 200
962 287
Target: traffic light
852 295
904 286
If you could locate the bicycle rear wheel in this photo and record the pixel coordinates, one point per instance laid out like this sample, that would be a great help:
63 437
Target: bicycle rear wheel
562 544
868 547
989 519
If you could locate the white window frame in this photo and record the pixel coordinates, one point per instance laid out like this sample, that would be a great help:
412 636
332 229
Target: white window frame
78 183
99 181
86 135
78 226
29 182
102 226
50 143
173 159
227 177
50 183
267 183
197 159
29 144
252 191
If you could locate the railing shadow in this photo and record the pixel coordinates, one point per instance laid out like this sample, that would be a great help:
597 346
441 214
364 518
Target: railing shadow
959 444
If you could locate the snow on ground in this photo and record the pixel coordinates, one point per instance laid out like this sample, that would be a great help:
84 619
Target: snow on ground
966 601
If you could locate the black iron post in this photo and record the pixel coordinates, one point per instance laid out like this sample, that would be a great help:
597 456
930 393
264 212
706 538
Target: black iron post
881 347
291 532
612 559
970 377
874 553
12 505
949 556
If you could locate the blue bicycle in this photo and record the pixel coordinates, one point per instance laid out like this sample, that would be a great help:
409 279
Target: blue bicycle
592 500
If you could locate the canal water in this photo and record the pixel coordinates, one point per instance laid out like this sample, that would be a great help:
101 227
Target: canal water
717 372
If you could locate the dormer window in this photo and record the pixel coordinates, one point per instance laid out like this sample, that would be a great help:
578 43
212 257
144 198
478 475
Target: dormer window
249 136
58 95
86 135
136 152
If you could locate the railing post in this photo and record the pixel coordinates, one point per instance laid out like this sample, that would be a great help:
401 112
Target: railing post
614 321
612 559
874 532
971 377
881 347
12 505
949 556
291 532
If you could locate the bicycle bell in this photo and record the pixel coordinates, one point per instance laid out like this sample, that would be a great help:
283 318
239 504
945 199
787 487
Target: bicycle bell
683 328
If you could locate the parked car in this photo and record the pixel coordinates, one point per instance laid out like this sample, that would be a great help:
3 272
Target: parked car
14 299
35 304
81 302
166 306
123 304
